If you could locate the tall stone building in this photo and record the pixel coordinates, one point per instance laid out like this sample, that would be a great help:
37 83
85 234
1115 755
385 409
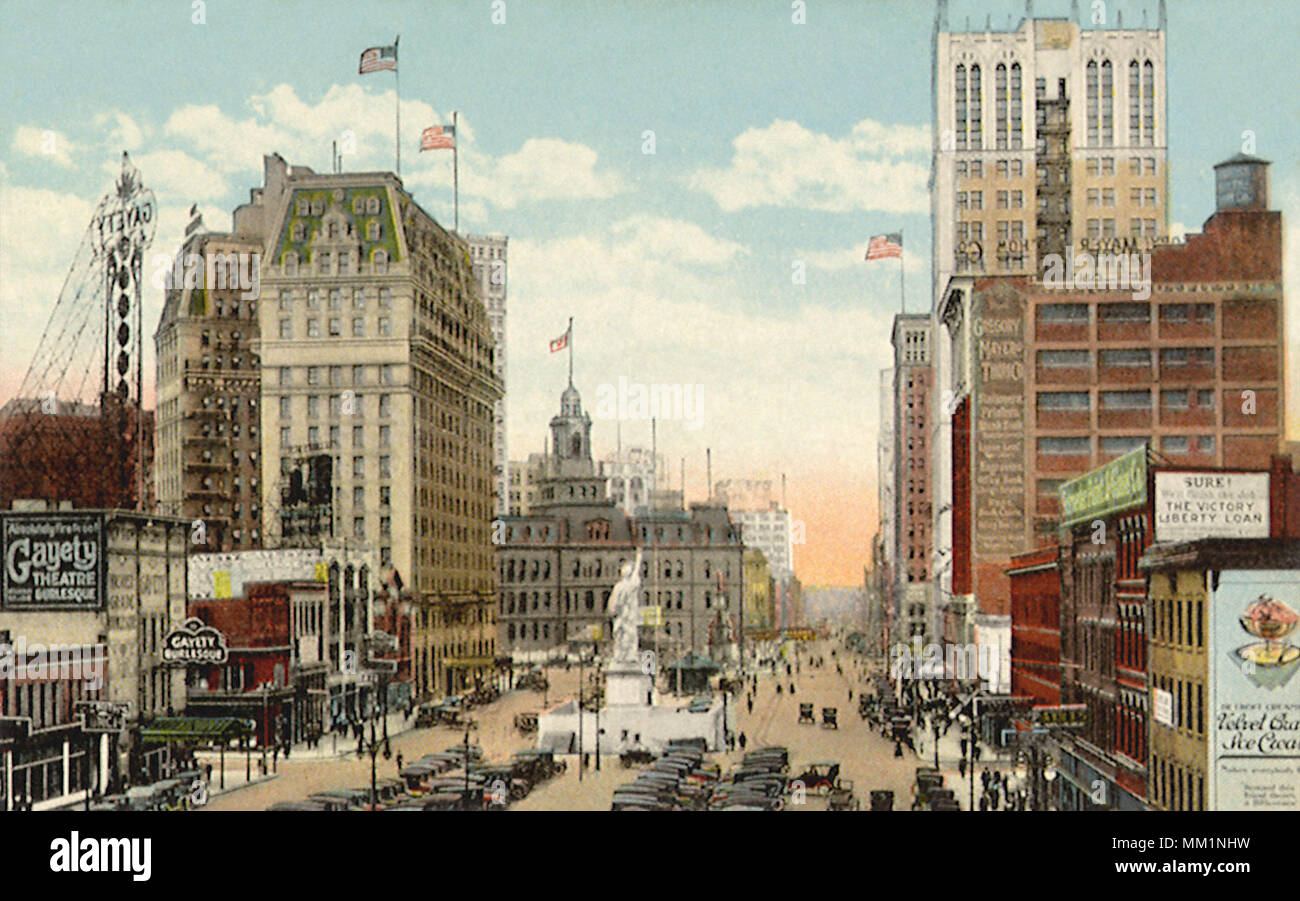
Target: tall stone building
377 353
559 564
1049 382
207 463
488 254
913 542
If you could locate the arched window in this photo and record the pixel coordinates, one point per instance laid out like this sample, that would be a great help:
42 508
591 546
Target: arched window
1107 104
1134 104
976 111
590 600
1092 88
1149 103
1000 109
1017 102
959 85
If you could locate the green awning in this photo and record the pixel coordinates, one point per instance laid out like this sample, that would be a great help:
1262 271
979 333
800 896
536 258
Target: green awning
194 728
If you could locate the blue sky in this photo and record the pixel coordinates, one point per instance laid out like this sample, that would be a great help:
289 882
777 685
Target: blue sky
775 143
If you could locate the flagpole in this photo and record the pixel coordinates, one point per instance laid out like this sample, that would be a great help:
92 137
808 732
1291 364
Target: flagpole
397 108
902 292
570 351
455 171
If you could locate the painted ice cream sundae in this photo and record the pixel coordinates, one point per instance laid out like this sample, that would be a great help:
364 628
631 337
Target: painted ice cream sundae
1271 663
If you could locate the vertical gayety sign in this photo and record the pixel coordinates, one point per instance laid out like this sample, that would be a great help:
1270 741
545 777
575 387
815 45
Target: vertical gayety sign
1254 692
998 442
52 561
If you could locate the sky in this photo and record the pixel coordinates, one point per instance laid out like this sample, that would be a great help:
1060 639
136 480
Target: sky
693 182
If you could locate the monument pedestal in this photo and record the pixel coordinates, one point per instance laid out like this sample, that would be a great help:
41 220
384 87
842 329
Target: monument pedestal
627 686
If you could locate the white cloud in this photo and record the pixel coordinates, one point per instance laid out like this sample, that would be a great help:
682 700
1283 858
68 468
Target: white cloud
874 167
124 133
177 175
674 238
361 122
29 140
542 169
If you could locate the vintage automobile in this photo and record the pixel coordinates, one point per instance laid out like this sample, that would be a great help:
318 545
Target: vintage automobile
842 797
526 722
543 761
636 757
806 714
830 717
299 805
928 779
882 799
819 777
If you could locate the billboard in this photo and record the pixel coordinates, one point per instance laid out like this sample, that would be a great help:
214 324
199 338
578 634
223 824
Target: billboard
1119 485
1194 505
998 424
1254 727
53 561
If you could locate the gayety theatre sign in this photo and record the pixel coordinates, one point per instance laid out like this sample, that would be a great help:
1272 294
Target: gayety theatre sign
52 562
194 642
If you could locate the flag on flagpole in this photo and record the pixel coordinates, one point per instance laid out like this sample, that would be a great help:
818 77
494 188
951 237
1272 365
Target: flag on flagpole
438 137
379 59
563 341
882 247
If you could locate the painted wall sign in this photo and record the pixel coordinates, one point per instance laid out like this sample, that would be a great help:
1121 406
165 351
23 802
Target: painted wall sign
1254 728
1121 484
1194 505
52 562
998 429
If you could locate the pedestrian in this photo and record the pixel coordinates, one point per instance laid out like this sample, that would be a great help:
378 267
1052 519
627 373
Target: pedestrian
778 688
399 762
984 801
964 746
850 695
791 688
742 741
977 749
749 705
961 765
984 778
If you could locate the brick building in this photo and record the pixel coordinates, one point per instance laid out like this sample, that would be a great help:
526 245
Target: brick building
1055 382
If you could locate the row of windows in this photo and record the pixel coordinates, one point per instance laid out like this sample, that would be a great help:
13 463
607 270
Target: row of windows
1079 313
335 437
384 371
1006 168
1100 92
334 325
345 404
345 262
1081 445
1081 401
1105 165
1106 196
334 298
1177 788
1128 357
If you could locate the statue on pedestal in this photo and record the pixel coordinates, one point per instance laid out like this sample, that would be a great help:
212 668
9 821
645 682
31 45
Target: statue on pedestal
625 606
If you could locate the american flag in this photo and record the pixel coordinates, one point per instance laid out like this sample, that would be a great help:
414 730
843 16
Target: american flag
438 137
379 59
882 247
561 342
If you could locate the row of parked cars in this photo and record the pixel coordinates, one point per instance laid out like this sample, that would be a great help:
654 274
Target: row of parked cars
681 779
758 782
185 791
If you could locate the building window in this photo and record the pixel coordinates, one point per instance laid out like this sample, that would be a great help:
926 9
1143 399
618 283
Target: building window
1126 400
336 327
1075 446
286 329
1064 400
1064 359
1174 400
1122 444
1174 444
1063 313
358 327
313 328
385 326
1127 358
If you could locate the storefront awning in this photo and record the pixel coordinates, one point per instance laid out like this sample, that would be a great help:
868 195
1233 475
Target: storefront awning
198 729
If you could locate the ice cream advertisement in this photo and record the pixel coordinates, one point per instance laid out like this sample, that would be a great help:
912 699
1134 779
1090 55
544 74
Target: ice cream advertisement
1255 722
